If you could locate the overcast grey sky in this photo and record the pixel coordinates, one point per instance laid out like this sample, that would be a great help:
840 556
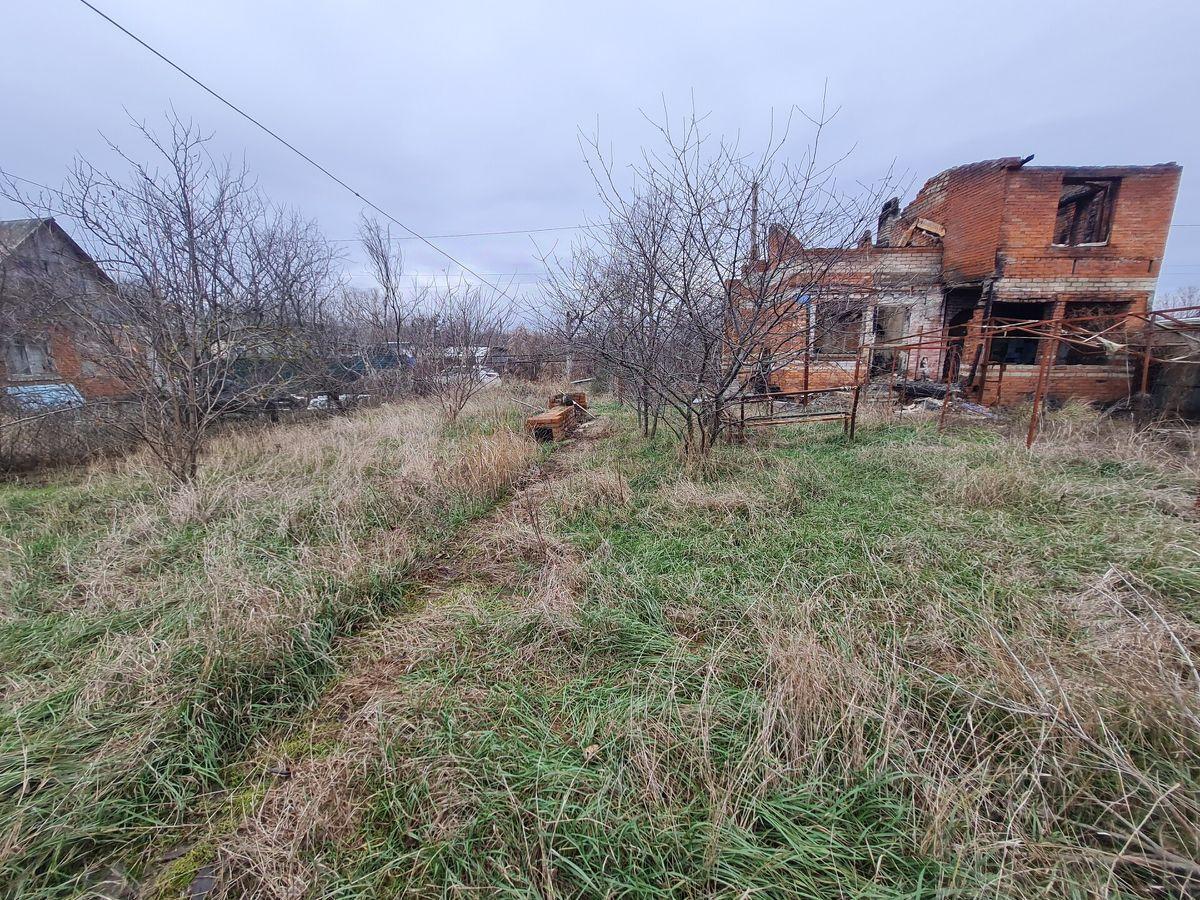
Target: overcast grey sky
463 117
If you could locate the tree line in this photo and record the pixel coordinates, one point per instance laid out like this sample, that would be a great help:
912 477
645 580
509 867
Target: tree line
219 302
696 285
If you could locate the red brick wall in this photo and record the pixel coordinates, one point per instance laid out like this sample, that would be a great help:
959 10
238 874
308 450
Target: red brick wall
1145 200
999 219
71 367
821 375
92 381
969 202
1094 384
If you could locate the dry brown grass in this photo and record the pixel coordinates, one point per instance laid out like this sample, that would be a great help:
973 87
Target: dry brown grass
273 852
160 608
317 483
589 489
685 495
1051 741
1016 735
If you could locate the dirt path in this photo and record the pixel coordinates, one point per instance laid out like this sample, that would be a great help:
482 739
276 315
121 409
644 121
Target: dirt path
309 787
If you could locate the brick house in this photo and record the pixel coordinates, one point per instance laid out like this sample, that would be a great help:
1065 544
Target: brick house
43 359
985 243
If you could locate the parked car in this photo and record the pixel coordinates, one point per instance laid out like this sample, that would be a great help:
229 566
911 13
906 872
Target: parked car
465 373
348 401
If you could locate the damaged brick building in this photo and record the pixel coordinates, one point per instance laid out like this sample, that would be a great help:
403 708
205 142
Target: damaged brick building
43 362
998 241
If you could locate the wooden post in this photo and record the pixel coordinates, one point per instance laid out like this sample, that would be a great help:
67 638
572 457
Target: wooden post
1049 351
857 390
975 366
1146 355
807 349
946 398
946 363
986 350
892 385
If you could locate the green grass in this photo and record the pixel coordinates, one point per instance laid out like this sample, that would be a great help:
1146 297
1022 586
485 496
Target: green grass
886 668
657 741
150 647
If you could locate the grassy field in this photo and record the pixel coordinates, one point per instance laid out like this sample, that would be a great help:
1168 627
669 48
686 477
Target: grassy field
915 665
151 636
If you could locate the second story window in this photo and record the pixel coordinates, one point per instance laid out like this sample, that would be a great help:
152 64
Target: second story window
27 357
1085 209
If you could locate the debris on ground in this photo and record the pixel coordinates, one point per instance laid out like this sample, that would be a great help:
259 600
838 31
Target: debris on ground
920 389
973 410
567 410
976 410
203 884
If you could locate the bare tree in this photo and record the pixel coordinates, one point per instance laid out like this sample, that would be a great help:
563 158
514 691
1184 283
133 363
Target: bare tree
388 314
1179 298
676 292
458 324
216 295
391 311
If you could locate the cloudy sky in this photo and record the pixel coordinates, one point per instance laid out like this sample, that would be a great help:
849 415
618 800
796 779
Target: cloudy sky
465 117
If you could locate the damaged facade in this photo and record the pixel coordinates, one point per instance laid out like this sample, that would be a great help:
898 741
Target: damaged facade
943 290
43 359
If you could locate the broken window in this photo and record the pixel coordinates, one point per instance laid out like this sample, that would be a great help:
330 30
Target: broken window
27 356
1017 346
1085 209
1080 347
838 327
889 329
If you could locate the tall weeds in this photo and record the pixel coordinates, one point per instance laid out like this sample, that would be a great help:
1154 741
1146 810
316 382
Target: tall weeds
151 635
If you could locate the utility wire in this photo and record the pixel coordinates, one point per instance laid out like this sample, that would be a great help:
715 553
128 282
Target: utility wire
461 234
458 234
44 187
304 156
477 233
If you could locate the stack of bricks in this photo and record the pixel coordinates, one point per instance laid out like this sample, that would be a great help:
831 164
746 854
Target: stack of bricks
559 420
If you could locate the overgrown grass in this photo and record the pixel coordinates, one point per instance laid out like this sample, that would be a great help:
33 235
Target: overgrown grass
918 664
151 638
915 665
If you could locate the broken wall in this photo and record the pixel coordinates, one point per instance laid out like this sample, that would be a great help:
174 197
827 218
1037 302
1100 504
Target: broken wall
904 280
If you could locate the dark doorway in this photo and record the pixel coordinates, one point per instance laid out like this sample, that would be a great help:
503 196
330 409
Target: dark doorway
961 304
889 329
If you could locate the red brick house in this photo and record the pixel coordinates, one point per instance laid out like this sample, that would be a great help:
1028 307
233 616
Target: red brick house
43 359
986 243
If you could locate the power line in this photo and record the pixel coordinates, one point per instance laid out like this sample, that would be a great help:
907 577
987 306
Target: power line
540 276
460 234
466 234
44 187
304 156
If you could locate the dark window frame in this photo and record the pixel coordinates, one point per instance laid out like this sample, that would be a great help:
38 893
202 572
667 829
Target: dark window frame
836 342
1019 347
1072 354
1085 212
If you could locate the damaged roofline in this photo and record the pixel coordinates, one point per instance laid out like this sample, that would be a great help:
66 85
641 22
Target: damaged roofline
1109 171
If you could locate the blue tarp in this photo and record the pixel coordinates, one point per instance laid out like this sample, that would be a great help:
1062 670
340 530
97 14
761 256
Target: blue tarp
45 397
